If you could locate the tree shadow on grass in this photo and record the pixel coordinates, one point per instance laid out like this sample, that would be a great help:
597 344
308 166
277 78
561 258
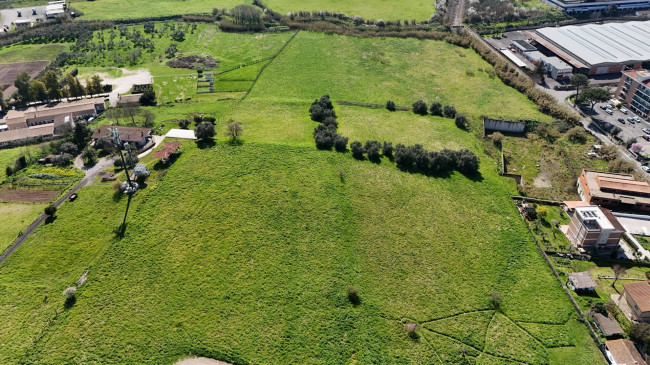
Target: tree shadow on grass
70 302
205 143
235 142
50 219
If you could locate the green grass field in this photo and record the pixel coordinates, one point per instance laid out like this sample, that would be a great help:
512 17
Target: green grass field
30 52
244 253
9 156
373 9
15 218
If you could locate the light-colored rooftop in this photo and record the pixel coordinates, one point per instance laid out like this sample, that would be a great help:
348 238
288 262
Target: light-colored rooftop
557 63
24 133
594 214
603 44
624 353
582 280
640 293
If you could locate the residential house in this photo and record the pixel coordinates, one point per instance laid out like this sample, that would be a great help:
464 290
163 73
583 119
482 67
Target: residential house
136 135
637 296
581 282
623 352
607 325
594 228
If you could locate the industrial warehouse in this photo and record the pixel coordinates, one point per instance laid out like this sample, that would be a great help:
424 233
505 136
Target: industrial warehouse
597 49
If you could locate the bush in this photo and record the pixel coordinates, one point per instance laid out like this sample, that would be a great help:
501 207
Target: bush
497 138
233 130
9 171
50 210
357 150
68 147
324 137
620 165
197 119
435 109
387 149
576 135
148 98
322 108
420 107
449 111
461 121
63 159
204 131
340 143
183 123
353 295
390 105
372 150
330 122
468 162
70 292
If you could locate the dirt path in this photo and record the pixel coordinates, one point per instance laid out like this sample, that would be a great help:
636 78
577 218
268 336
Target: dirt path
124 83
201 361
90 176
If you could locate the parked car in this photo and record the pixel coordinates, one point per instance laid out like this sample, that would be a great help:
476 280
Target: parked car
646 137
592 154
646 130
623 110
609 112
637 119
603 107
621 120
645 168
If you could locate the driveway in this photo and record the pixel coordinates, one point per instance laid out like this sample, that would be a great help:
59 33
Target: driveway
124 83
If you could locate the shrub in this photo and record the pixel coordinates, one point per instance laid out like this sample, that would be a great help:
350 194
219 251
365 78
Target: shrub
620 165
468 162
148 98
547 132
387 149
322 108
576 135
435 109
373 152
178 35
330 122
495 300
50 210
420 107
353 295
70 292
449 111
197 119
9 171
204 131
461 121
68 147
324 137
340 143
411 329
390 105
357 150
183 123
63 159
497 138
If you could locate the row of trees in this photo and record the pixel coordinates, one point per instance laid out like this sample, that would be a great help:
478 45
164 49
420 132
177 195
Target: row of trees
406 157
447 111
50 87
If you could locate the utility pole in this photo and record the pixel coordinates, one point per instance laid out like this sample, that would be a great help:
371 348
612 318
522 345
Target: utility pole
131 187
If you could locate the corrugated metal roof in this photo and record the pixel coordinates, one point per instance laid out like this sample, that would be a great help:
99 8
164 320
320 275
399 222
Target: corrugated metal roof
601 44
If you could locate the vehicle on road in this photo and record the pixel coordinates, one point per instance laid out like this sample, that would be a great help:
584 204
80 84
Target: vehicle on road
637 119
603 107
646 137
646 130
609 112
645 168
621 120
623 110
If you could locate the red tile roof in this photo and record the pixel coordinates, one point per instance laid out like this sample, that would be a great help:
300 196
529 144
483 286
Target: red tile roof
167 150
640 294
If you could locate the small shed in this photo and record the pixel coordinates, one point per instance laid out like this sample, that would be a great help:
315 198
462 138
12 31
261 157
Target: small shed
581 281
165 153
607 325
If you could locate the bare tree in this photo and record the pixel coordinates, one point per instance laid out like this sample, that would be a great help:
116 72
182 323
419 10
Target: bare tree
234 131
618 272
131 112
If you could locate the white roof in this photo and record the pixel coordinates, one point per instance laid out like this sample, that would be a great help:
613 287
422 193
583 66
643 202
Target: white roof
511 56
594 213
597 44
181 133
557 63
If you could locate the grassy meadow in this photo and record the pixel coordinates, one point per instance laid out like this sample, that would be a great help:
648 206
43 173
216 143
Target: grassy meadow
15 218
244 252
372 9
30 52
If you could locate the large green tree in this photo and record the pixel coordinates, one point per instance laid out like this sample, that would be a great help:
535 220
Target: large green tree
22 84
73 87
38 90
595 95
579 80
52 85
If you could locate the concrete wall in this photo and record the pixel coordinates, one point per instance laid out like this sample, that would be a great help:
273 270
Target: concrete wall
503 126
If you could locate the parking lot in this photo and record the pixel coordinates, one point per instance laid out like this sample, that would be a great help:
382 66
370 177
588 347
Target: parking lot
9 16
630 130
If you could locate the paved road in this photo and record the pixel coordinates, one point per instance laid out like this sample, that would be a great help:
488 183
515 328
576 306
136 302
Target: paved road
90 176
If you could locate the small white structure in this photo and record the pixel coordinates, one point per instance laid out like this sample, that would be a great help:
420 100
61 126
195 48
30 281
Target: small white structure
181 133
512 57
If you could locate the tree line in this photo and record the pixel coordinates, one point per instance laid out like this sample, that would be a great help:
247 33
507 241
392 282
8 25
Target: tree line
51 87
411 158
